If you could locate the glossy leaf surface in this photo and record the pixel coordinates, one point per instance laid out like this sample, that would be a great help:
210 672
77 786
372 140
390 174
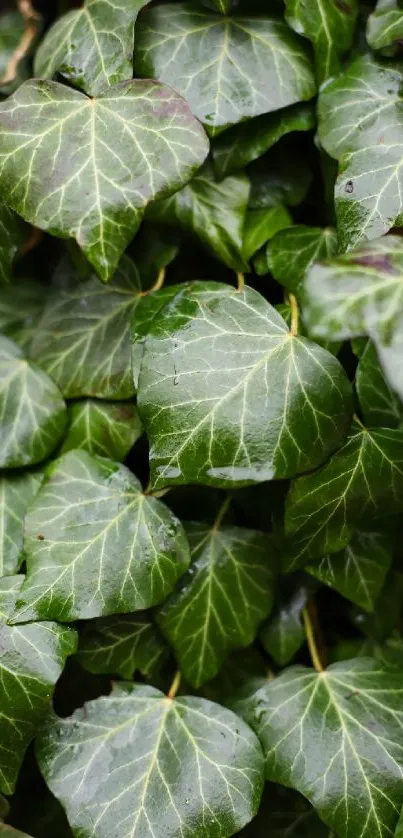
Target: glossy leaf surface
261 225
329 25
380 406
385 27
122 645
17 491
291 252
12 235
284 633
21 305
108 429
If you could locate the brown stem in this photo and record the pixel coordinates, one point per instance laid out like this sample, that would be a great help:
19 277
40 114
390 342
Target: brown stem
31 19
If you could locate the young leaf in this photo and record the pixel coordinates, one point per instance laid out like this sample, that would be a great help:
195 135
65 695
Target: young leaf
17 491
32 658
212 360
283 635
12 234
336 737
96 545
363 480
238 146
379 404
329 24
385 27
158 768
354 111
122 645
108 429
95 190
21 305
33 413
207 57
291 252
219 603
261 225
360 293
358 572
83 338
214 212
92 47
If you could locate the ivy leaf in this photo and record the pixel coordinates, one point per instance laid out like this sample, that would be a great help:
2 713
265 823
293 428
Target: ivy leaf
336 737
32 658
329 24
379 404
283 635
360 293
280 177
353 112
238 146
95 545
33 413
291 252
206 58
122 645
206 427
358 572
261 225
17 491
12 235
155 248
108 429
219 603
92 48
361 482
159 767
385 27
214 212
83 338
95 191
21 305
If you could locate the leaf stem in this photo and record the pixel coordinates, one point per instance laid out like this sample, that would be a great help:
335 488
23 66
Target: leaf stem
310 637
294 314
358 420
31 19
241 281
221 513
175 685
157 284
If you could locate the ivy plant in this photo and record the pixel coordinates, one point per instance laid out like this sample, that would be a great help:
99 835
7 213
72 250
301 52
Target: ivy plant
201 419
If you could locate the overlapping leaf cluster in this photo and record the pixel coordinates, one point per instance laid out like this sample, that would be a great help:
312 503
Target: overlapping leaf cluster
201 419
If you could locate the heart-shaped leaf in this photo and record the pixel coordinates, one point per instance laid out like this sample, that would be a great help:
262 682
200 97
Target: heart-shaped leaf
360 124
361 293
219 603
207 57
122 645
329 24
108 429
21 305
92 47
17 491
96 545
12 235
379 404
144 764
83 339
95 190
214 212
291 252
337 737
32 658
362 481
213 360
358 572
33 415
385 27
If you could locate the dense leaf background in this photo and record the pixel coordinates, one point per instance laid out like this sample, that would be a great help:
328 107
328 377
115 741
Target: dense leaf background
201 419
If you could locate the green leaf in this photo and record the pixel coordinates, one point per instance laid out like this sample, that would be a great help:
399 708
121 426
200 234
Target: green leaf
361 293
214 212
377 627
155 248
33 415
379 404
279 177
228 68
330 25
12 235
108 429
261 225
32 658
336 737
95 190
385 27
212 360
92 48
361 482
122 645
238 146
292 251
96 545
360 124
137 762
283 635
7 831
358 572
17 491
83 338
285 814
219 603
21 306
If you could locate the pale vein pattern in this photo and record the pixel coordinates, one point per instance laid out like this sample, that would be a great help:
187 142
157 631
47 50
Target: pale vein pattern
122 645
